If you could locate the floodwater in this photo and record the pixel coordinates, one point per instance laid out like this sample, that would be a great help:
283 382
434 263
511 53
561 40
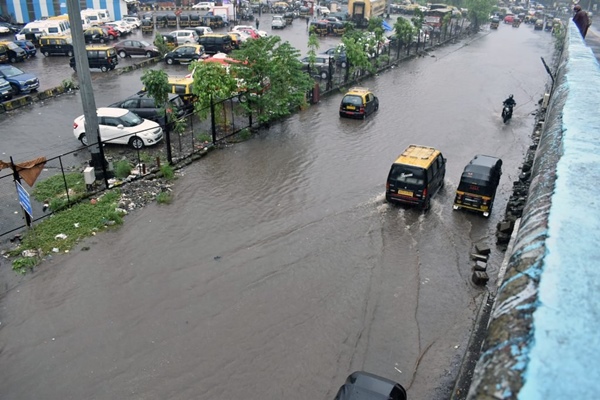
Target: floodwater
279 268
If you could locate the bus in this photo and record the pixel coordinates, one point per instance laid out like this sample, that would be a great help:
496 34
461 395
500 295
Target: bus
361 11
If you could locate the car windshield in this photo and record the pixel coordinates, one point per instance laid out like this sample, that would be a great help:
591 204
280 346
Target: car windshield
11 45
408 175
130 119
11 71
352 100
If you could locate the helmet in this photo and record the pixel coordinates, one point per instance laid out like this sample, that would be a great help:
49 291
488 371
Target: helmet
510 96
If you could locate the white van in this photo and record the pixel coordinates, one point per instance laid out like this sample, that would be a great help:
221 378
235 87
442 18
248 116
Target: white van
58 25
96 17
38 28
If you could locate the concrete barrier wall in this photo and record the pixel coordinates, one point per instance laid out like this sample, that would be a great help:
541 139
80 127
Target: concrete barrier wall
542 340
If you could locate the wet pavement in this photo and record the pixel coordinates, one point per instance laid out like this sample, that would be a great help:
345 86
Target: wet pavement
279 268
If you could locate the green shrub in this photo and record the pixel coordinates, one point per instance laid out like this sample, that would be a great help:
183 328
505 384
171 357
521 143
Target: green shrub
22 264
54 187
245 134
204 137
145 157
122 169
167 171
164 198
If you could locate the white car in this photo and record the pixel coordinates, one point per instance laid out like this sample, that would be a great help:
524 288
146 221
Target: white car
4 29
135 21
242 28
121 126
122 28
324 11
278 22
203 30
203 5
185 36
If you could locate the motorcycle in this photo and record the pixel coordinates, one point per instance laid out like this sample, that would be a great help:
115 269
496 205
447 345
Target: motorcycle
507 111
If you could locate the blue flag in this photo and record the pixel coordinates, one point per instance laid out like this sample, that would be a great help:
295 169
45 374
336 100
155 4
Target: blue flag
386 26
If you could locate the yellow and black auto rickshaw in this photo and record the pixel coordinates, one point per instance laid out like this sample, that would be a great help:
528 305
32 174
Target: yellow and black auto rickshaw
184 20
170 41
147 26
495 23
336 28
289 18
160 21
319 28
195 20
172 20
478 183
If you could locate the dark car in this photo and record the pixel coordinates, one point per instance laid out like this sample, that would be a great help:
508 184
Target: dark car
145 106
20 81
185 54
365 386
12 28
95 35
6 91
14 52
338 54
128 48
359 102
27 46
103 57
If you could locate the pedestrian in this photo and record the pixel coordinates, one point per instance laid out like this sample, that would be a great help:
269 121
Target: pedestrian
581 19
257 24
307 22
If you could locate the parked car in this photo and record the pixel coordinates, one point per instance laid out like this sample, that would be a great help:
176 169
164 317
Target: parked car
358 102
203 30
248 29
95 35
111 32
6 91
120 26
103 57
21 82
185 36
128 48
203 5
362 385
135 21
320 67
14 52
278 22
185 54
339 55
27 46
6 27
121 126
145 106
56 44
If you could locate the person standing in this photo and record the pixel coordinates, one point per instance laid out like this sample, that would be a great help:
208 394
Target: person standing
581 19
257 23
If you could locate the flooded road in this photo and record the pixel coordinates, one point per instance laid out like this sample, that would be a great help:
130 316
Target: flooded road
279 268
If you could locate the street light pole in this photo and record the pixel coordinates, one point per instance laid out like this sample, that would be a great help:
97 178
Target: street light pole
85 89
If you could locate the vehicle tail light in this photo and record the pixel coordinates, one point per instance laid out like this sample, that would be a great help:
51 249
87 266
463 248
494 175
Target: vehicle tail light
75 125
361 109
424 195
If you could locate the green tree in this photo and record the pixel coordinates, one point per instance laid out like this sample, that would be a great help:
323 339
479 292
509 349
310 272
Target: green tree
272 75
212 82
156 84
404 31
356 52
479 12
161 45
313 46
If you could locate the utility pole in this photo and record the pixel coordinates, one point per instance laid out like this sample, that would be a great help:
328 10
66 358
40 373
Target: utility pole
85 89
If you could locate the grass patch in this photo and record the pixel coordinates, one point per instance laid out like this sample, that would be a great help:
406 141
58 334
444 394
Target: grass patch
164 198
77 222
122 169
54 187
145 157
245 134
204 137
24 264
167 171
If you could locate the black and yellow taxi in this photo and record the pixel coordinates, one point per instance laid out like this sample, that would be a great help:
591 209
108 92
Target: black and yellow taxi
56 44
416 175
14 52
358 103
478 183
184 88
95 34
103 57
185 54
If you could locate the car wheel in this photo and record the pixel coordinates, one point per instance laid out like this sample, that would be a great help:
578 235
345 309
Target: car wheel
149 54
102 40
122 54
83 139
13 60
324 74
104 68
169 61
46 53
15 88
136 143
344 64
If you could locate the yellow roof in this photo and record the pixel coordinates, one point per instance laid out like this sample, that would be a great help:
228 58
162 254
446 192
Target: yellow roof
420 156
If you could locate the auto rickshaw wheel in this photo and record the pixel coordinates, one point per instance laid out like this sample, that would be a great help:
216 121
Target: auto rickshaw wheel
104 68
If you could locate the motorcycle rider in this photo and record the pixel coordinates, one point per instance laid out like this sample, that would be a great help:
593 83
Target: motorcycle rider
510 101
